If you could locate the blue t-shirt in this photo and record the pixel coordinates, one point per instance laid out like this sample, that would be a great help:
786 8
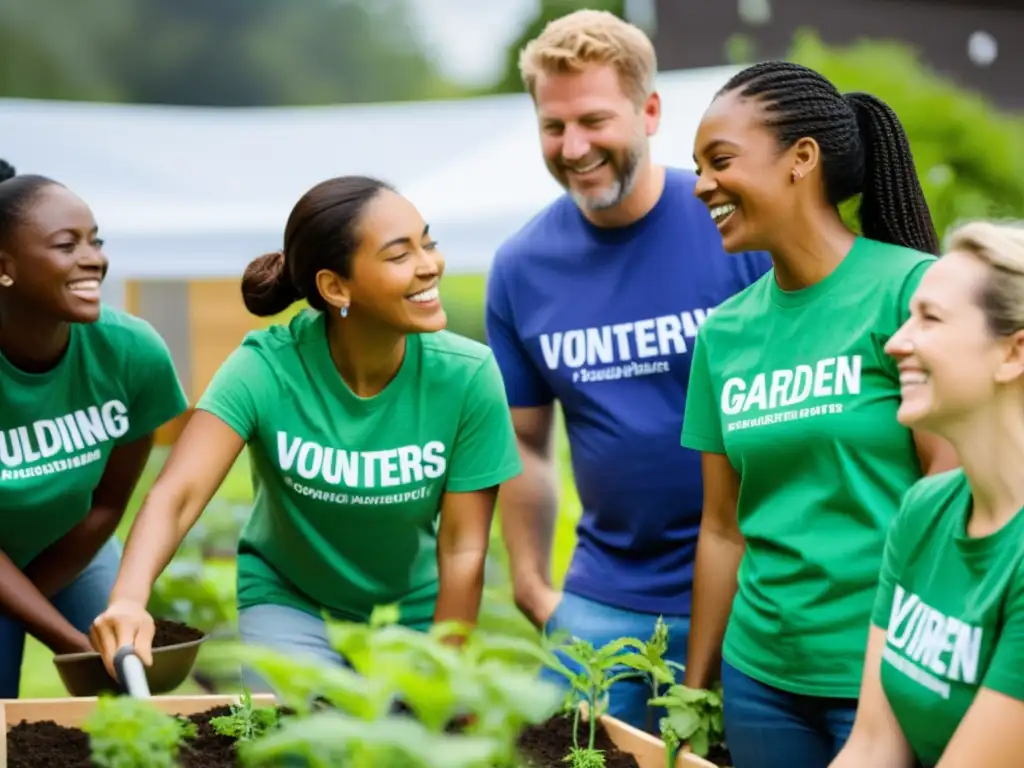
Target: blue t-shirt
604 320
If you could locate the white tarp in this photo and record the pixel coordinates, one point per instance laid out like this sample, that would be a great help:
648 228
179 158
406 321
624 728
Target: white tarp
197 192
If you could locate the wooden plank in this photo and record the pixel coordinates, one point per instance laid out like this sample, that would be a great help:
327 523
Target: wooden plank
648 750
218 321
72 712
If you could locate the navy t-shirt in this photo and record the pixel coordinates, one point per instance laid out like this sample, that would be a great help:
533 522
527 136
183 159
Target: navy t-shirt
603 320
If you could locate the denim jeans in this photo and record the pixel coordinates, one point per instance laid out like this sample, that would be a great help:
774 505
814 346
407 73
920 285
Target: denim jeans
599 624
285 630
80 602
766 727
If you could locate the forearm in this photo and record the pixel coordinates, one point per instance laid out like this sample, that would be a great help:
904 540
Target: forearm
529 508
59 565
21 600
461 586
714 587
874 750
155 536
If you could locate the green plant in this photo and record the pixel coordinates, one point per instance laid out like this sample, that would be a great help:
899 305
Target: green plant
693 716
470 702
650 662
245 722
590 687
125 732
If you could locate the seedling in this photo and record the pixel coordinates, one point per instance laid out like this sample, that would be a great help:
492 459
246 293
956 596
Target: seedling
694 717
245 722
590 686
125 732
650 662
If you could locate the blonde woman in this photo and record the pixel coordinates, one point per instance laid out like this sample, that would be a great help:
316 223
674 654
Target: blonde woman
943 681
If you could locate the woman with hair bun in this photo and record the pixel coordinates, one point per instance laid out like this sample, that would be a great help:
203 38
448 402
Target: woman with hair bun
944 679
378 440
83 386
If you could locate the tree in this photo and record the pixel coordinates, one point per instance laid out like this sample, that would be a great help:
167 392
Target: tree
969 156
548 10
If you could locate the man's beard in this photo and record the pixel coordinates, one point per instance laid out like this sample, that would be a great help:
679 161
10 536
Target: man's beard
625 173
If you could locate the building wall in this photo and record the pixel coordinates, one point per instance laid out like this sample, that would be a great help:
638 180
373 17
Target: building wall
694 34
202 322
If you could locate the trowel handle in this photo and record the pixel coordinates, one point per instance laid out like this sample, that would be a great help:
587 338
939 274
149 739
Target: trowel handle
131 672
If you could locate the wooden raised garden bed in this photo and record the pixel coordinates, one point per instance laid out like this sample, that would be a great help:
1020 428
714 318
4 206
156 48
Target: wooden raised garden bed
49 729
648 750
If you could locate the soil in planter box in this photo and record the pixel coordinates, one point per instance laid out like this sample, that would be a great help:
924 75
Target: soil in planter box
173 633
546 745
719 755
48 745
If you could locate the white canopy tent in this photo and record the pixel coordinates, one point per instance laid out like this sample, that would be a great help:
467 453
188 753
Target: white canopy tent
189 193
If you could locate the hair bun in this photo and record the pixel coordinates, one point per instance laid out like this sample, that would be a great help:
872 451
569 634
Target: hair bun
6 171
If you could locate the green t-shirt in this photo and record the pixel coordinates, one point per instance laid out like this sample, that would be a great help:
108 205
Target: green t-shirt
953 610
115 384
349 489
796 389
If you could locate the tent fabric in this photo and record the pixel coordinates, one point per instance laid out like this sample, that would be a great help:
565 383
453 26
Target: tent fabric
185 193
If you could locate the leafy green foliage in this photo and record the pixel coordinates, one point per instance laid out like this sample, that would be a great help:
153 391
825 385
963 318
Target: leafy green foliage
125 732
694 716
969 156
246 722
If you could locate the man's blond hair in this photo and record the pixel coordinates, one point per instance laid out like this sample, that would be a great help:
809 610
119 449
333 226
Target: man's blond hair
581 38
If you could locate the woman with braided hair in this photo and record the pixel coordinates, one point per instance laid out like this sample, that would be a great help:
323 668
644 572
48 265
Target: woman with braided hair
792 402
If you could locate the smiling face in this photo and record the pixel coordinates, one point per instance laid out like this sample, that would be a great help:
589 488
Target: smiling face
54 258
395 270
744 178
593 136
950 362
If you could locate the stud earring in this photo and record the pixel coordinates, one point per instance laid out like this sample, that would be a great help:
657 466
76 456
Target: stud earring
344 311
796 175
6 281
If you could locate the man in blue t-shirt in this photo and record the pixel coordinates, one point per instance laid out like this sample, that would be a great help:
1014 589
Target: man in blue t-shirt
596 303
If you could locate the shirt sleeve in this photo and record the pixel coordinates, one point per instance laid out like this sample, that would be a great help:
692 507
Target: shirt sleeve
893 558
155 392
702 422
231 395
485 452
1005 672
523 384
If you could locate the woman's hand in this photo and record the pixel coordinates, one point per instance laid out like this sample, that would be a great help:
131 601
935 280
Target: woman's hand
125 622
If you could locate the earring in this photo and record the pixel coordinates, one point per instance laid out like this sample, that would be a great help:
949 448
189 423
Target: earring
344 311
6 281
796 175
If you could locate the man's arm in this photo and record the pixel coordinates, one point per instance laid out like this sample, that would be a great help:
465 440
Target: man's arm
528 509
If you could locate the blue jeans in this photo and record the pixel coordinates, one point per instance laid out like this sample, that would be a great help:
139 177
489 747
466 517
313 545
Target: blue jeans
766 727
599 624
285 630
80 602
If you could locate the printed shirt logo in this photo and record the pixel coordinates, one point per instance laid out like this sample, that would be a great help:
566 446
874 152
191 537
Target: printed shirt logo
622 350
816 388
61 443
394 468
932 649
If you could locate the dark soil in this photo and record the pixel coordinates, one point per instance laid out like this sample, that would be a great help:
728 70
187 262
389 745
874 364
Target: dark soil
173 633
719 755
48 745
547 745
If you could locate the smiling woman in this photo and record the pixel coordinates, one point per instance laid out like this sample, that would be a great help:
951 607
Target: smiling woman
792 401
377 439
84 387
